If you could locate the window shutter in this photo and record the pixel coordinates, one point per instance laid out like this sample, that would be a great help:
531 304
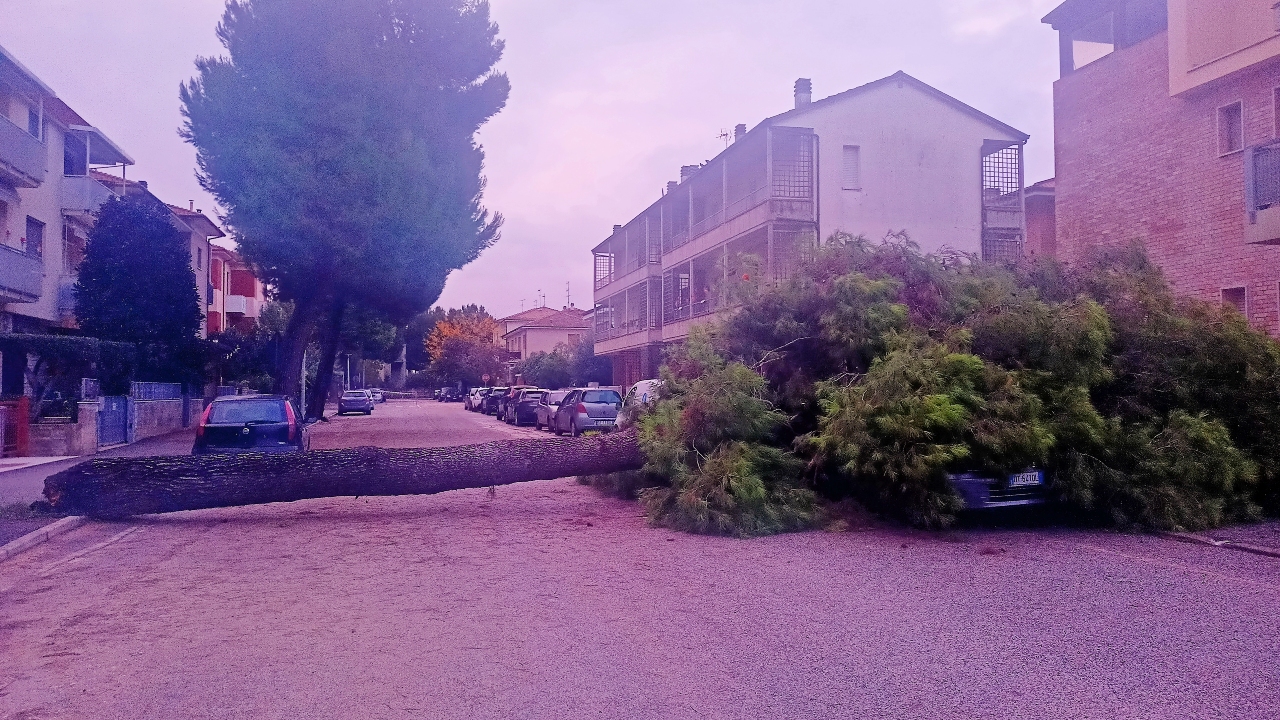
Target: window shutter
852 167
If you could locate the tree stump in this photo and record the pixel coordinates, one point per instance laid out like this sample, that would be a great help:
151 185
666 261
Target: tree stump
121 487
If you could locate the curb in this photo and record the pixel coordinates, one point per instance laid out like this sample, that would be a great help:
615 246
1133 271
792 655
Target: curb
1227 544
36 537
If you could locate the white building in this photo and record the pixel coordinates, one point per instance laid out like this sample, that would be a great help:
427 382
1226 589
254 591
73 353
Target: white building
892 155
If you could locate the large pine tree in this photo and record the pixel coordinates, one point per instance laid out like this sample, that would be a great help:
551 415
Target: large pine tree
136 285
339 137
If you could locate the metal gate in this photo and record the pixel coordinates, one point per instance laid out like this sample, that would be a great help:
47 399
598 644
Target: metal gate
113 420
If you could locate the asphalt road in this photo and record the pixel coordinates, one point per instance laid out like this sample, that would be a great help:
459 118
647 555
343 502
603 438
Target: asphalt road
551 601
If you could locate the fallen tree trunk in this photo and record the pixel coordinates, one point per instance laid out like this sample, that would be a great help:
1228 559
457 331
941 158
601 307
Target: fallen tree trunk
120 487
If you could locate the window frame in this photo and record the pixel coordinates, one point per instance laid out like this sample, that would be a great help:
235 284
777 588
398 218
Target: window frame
1218 126
1244 289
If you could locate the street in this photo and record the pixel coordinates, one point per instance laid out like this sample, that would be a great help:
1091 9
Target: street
549 600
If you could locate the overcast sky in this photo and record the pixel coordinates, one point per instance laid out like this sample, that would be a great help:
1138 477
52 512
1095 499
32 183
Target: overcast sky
608 98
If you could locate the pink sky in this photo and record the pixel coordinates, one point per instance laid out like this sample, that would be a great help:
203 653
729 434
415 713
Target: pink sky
609 98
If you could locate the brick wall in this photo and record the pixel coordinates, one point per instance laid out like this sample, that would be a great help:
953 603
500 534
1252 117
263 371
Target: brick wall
1042 229
1133 162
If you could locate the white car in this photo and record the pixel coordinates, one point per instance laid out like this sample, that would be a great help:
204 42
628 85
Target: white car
378 397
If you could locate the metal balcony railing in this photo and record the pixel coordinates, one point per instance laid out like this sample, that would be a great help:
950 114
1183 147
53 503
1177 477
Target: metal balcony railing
21 276
83 194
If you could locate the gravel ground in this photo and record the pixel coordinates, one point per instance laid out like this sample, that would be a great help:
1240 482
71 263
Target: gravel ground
551 601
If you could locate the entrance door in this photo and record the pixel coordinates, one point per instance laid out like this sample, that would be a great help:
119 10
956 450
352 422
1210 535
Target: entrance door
113 420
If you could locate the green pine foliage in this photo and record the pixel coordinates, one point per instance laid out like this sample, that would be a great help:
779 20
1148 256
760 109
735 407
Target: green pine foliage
712 438
877 371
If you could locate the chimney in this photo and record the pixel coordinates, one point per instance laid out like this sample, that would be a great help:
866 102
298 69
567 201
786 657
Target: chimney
616 228
804 92
191 205
686 171
739 131
672 185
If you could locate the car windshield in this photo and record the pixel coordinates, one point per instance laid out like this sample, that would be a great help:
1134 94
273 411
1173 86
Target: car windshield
247 411
610 397
554 398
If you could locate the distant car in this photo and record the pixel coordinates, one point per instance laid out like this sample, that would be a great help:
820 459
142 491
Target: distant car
355 401
1018 489
547 405
377 395
643 392
490 404
250 423
453 395
587 409
469 402
523 408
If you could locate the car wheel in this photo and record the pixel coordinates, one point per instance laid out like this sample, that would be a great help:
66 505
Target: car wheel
368 412
537 424
555 428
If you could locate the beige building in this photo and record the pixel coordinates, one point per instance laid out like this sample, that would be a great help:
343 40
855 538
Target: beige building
48 194
545 332
892 155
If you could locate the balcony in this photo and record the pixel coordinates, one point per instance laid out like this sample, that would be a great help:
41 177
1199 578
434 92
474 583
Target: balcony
83 194
24 160
1262 194
239 304
21 276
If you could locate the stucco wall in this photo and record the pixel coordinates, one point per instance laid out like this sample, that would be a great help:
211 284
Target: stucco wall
43 203
921 167
1135 163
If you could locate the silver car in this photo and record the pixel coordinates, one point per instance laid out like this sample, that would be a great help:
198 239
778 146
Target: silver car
355 401
587 409
547 407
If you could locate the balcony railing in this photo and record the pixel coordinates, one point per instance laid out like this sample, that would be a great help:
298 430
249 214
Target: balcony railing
1262 194
83 194
21 276
24 160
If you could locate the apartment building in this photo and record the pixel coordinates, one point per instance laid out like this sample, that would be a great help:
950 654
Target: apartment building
235 293
895 154
1167 130
48 195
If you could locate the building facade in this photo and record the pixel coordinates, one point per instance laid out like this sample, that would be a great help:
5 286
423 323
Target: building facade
889 156
1166 131
546 332
235 293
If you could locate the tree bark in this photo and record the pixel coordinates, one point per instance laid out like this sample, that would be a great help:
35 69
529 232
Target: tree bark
116 488
329 332
297 335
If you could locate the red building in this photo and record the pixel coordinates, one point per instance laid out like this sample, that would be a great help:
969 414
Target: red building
1165 123
236 295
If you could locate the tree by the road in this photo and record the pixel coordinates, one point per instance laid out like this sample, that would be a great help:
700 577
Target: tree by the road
462 348
339 136
136 285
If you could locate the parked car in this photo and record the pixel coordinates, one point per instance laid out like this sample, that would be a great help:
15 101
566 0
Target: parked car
453 394
473 396
1018 489
547 405
250 423
641 395
587 409
355 401
490 404
377 395
523 408
505 399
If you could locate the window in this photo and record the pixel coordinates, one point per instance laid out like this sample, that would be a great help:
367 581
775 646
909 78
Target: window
1231 128
33 243
1093 41
33 122
852 167
1236 297
574 339
199 258
1275 106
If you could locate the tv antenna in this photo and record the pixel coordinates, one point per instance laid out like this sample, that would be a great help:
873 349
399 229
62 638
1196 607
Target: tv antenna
726 136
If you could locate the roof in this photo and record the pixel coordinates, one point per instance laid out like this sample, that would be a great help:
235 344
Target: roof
905 79
1072 13
197 217
1044 187
568 319
187 217
536 313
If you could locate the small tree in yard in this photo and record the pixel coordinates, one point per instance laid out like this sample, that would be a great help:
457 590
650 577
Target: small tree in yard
136 285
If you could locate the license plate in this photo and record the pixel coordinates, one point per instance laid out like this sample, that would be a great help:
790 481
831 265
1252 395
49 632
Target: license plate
1026 479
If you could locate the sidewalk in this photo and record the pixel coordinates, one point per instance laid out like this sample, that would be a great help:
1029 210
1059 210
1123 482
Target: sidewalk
22 479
